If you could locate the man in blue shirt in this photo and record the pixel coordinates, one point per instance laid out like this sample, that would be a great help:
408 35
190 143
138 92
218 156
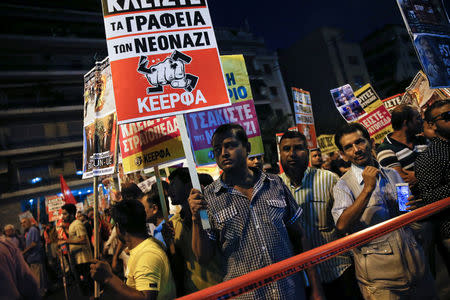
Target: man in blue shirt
253 217
33 253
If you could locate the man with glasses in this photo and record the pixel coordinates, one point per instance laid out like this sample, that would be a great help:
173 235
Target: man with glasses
432 169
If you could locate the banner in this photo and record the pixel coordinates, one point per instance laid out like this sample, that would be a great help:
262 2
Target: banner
201 125
326 143
368 98
392 102
304 115
429 27
149 143
99 135
346 103
164 58
67 193
53 205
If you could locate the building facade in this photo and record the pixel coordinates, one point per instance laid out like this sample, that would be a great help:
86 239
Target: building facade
322 61
45 53
391 59
44 57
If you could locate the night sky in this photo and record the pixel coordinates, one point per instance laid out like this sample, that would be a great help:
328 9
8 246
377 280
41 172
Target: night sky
281 23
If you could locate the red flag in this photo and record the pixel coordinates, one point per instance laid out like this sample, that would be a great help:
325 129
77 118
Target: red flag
67 194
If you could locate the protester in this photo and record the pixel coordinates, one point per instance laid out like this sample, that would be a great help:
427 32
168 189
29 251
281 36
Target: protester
313 190
250 213
149 274
10 235
392 266
400 148
256 161
432 169
154 212
80 250
338 165
130 191
195 276
17 280
316 158
33 253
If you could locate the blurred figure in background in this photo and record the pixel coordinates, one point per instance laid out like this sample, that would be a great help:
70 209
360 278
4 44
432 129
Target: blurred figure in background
316 158
33 253
256 161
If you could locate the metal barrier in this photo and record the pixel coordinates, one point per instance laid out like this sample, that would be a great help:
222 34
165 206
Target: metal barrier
279 270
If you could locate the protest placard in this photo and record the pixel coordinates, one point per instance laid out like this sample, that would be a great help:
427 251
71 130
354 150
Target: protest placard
368 98
146 185
164 58
304 115
392 102
377 123
346 103
326 143
53 205
201 125
420 95
99 134
365 107
80 206
429 27
145 144
90 200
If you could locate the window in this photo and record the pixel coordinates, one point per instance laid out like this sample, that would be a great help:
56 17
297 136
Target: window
358 81
273 91
353 60
267 69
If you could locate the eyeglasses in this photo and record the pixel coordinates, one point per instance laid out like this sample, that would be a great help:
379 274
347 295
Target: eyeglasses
445 116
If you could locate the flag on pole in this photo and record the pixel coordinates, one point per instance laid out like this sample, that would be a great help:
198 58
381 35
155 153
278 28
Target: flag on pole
67 194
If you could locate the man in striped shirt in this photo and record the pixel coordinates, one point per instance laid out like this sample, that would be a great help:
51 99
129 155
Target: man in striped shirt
400 148
313 191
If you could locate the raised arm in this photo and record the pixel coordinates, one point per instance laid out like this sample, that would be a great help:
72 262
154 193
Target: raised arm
354 212
202 245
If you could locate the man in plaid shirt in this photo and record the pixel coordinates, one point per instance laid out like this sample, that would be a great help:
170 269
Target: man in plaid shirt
254 219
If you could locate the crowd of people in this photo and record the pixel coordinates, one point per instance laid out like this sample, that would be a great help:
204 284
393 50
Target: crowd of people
258 218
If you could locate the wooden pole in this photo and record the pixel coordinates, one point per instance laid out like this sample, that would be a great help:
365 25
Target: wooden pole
96 235
191 166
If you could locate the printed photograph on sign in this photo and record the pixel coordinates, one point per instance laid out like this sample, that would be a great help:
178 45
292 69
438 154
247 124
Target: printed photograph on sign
164 59
425 16
434 54
346 103
99 134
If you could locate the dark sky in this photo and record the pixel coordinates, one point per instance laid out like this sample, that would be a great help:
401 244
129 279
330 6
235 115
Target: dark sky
281 23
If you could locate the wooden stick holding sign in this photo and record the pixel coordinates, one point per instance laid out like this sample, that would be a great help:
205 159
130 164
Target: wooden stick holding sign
191 166
96 234
162 199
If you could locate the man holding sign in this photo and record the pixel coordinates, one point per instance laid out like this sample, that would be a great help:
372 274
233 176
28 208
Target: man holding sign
247 210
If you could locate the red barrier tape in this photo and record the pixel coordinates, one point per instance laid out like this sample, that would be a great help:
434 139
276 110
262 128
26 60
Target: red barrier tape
279 270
